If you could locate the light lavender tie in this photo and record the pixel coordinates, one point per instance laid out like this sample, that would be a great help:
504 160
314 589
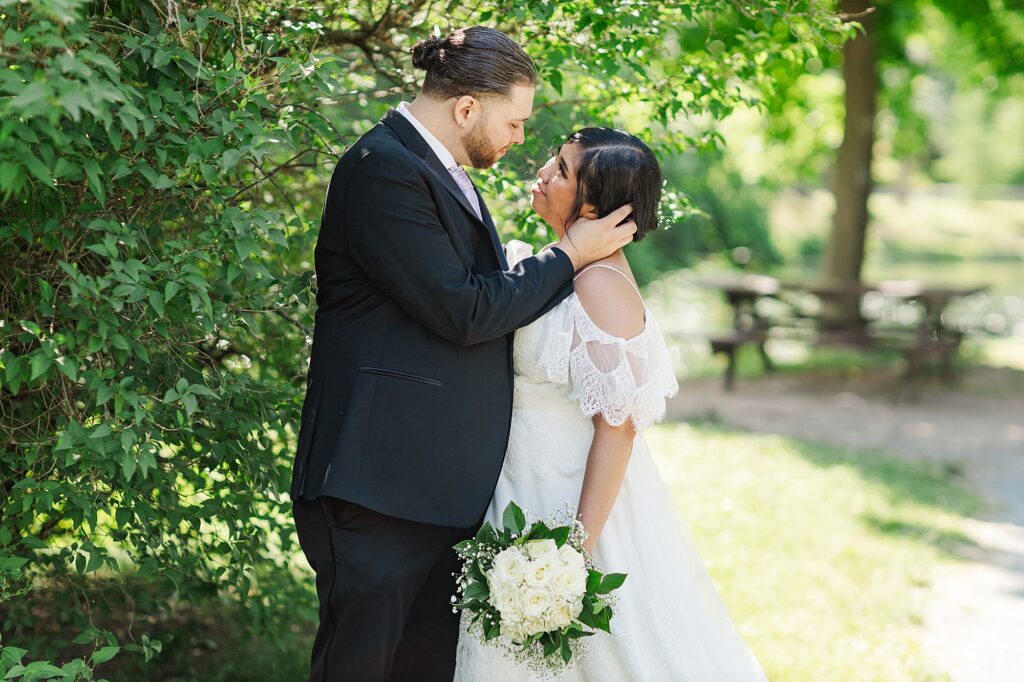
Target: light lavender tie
466 185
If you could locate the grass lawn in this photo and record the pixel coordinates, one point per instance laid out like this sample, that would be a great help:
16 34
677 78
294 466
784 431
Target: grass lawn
822 555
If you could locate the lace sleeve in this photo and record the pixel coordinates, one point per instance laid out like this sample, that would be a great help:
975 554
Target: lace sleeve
618 378
516 250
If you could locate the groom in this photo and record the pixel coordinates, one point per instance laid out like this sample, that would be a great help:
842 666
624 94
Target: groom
409 396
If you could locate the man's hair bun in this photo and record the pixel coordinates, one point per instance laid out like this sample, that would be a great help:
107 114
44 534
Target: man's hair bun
426 52
475 60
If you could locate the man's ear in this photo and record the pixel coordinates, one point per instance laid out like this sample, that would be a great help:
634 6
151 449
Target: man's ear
466 109
588 212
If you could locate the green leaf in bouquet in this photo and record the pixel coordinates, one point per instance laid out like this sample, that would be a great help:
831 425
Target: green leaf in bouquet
560 535
538 531
477 590
576 632
486 532
513 519
550 643
610 582
587 618
476 571
593 580
566 651
465 546
492 629
597 605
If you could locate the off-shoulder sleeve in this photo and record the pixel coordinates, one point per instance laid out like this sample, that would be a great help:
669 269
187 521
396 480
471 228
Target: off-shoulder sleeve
516 250
618 378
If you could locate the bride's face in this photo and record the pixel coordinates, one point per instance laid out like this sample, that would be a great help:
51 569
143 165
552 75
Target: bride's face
554 193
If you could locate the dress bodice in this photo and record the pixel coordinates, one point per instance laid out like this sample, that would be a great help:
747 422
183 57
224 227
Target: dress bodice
564 361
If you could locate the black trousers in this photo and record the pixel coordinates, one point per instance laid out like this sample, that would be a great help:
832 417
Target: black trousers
385 586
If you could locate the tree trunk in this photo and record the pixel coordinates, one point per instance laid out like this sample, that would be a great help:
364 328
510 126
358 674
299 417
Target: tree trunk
844 254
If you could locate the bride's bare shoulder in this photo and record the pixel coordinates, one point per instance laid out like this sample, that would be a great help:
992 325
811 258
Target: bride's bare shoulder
610 300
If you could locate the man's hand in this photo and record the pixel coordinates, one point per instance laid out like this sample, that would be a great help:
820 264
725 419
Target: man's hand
587 241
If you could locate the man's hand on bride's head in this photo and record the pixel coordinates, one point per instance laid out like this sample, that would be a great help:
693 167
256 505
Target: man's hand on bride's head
588 240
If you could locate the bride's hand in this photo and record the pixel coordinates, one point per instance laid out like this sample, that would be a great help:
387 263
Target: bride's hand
588 240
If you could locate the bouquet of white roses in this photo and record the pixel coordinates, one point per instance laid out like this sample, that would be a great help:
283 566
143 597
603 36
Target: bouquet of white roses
534 590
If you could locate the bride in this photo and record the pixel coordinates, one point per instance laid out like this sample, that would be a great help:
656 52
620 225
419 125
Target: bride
590 376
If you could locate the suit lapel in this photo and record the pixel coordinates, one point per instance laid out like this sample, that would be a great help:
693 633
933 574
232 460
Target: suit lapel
489 222
415 143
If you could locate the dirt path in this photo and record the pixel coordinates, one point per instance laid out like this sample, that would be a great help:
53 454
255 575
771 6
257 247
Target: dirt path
974 627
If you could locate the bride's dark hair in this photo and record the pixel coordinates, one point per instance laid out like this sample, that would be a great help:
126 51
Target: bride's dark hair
615 168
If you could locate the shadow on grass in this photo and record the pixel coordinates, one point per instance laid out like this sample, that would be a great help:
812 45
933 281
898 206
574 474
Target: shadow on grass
951 543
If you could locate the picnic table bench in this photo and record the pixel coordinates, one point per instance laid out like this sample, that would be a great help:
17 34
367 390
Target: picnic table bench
924 337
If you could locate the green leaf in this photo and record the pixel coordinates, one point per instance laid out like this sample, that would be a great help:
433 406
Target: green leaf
101 431
566 651
610 582
486 533
104 393
105 654
593 580
201 389
560 535
170 290
477 590
513 519
14 371
156 300
68 367
555 78
33 542
550 643
92 171
190 403
40 363
41 670
146 462
127 468
10 175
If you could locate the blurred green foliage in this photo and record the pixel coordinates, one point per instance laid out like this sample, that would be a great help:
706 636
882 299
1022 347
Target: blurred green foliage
162 168
951 99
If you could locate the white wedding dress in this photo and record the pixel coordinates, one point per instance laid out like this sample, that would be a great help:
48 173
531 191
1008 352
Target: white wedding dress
669 622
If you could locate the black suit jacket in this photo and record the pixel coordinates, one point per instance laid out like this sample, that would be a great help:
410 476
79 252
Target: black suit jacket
409 396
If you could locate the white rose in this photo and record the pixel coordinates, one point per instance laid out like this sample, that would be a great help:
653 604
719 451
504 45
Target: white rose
560 615
538 549
505 601
510 566
533 626
569 582
539 572
570 557
514 631
535 603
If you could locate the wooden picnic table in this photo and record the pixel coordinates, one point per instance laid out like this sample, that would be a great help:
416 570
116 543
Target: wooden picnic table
929 337
749 326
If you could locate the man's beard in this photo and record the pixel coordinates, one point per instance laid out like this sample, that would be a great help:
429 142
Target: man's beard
481 154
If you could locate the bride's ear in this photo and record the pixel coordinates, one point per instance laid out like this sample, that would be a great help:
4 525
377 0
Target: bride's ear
588 212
